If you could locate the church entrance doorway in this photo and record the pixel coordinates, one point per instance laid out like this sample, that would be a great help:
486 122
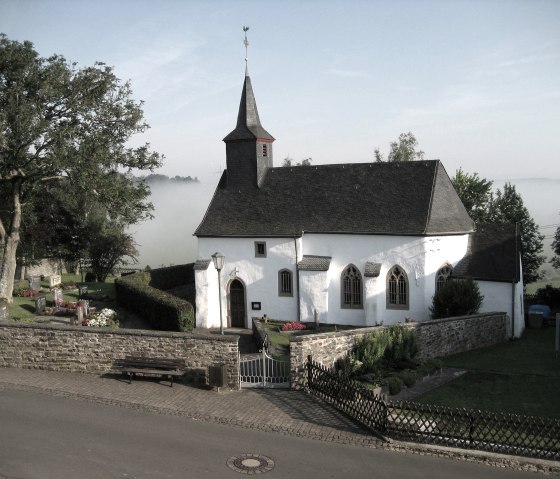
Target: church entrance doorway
237 304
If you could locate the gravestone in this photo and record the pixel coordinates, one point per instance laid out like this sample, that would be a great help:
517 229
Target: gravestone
55 280
58 300
40 304
35 282
84 306
3 310
82 290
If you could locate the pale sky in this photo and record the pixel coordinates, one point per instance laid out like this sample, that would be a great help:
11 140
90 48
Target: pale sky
477 82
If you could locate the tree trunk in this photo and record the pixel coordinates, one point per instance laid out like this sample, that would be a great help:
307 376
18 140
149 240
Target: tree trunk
8 266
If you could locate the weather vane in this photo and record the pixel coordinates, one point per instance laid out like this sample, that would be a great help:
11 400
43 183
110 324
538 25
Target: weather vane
246 43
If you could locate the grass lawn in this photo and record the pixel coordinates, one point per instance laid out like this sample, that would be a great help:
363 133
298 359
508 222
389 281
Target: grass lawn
102 295
519 377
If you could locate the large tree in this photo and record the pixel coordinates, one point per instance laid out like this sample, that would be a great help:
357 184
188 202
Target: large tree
507 207
475 193
556 248
404 149
61 125
485 206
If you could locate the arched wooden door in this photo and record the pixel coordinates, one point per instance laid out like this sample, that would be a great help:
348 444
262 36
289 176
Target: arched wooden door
237 304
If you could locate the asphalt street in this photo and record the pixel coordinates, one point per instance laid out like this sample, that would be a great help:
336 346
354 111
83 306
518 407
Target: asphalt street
45 437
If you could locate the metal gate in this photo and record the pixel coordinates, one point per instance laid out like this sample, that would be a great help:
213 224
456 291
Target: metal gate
263 371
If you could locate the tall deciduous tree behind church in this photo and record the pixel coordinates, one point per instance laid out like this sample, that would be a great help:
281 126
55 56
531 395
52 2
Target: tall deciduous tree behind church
503 206
60 124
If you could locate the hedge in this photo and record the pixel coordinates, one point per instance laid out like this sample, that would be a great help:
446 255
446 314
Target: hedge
164 311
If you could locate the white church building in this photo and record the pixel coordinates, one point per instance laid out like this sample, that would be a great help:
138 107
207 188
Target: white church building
352 243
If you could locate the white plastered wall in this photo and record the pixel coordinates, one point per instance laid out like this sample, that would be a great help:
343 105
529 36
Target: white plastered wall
259 275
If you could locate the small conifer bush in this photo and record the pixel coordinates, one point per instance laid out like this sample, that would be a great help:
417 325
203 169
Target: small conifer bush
458 297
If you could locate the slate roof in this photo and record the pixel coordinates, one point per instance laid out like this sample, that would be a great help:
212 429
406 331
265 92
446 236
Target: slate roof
314 263
248 122
201 264
492 254
391 198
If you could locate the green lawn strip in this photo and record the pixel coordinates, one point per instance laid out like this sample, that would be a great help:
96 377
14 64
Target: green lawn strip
515 394
532 354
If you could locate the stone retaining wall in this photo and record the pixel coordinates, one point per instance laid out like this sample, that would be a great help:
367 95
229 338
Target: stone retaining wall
435 338
89 350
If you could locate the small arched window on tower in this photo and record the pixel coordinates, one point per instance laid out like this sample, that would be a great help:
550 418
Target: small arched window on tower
265 150
351 288
397 289
443 275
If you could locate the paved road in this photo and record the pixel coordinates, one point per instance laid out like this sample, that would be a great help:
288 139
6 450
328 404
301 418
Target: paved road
45 437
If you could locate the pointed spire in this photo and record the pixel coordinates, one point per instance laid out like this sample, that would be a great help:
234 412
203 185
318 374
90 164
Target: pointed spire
248 122
246 43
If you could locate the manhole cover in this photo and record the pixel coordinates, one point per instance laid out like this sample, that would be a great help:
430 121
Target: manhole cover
250 463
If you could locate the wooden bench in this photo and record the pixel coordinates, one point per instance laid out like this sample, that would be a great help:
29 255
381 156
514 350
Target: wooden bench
132 365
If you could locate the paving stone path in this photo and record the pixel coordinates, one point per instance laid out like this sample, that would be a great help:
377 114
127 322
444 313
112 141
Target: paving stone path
288 412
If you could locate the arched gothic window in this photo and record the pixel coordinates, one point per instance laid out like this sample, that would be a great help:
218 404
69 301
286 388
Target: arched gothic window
443 275
351 282
397 289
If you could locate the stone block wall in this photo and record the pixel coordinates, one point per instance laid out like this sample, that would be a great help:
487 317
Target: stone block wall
435 338
92 350
443 337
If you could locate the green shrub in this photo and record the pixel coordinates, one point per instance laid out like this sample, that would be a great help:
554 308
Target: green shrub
395 385
430 366
90 277
348 366
408 377
401 345
172 276
457 297
370 349
164 311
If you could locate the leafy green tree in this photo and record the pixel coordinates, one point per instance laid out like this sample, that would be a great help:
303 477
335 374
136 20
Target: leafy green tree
67 126
404 149
504 206
507 207
556 248
475 193
107 247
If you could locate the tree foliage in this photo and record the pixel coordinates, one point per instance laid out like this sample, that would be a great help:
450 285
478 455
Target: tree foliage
507 207
457 297
65 127
503 206
556 249
404 149
291 162
475 193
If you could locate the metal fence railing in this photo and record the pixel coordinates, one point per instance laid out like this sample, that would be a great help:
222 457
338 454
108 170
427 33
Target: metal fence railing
463 428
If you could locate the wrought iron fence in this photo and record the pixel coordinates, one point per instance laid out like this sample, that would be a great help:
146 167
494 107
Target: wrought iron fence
425 423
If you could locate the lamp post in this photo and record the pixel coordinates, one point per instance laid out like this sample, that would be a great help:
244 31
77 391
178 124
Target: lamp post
218 259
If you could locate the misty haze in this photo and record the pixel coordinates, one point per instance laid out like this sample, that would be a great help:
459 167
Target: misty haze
168 238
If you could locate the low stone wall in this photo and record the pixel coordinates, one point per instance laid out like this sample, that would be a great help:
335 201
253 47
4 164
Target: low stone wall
92 350
443 337
435 338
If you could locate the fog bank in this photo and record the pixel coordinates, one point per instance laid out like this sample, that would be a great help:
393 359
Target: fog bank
168 238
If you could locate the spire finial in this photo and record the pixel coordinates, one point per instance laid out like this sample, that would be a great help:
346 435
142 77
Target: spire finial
246 43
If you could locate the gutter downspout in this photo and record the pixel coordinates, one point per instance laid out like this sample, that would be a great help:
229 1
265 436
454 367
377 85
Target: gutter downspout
297 279
513 284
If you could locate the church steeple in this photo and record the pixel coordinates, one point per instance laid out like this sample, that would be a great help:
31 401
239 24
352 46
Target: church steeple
249 145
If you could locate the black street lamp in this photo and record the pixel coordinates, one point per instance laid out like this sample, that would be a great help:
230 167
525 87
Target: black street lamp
218 259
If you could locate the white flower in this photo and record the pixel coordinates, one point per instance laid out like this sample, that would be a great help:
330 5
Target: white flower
103 318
